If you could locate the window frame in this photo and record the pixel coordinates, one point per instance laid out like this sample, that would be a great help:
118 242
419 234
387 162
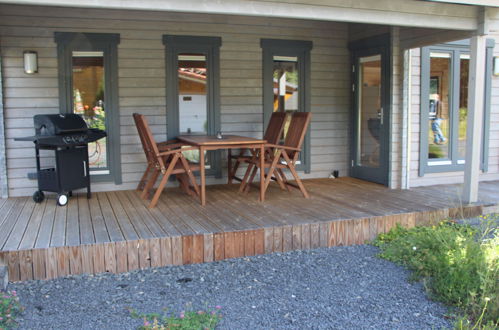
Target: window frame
210 47
455 49
292 48
67 42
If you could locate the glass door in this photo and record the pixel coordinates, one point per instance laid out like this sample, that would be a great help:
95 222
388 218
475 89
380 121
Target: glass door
370 121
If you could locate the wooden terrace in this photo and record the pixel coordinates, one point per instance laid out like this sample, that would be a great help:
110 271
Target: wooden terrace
116 232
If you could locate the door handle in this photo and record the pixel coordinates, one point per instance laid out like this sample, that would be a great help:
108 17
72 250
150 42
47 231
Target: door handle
381 115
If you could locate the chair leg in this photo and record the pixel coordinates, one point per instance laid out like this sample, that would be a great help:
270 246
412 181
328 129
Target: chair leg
244 182
184 184
143 180
291 167
163 182
150 183
284 179
271 170
279 179
252 177
188 171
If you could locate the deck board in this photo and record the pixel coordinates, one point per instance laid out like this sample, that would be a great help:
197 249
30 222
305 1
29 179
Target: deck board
116 231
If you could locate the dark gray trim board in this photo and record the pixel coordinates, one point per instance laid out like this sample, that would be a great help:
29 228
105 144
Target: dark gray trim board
210 47
67 42
296 48
4 187
455 49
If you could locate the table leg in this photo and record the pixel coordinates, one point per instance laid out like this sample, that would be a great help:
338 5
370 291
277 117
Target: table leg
262 173
229 165
203 176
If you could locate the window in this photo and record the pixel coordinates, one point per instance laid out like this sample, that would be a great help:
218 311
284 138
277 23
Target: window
88 87
192 91
286 84
444 107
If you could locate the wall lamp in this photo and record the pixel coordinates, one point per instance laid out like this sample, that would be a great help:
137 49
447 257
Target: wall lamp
496 66
30 62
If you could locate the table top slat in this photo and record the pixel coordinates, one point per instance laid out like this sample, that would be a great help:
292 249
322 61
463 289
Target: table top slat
212 140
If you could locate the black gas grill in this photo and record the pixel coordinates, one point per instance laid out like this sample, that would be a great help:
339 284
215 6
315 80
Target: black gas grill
68 135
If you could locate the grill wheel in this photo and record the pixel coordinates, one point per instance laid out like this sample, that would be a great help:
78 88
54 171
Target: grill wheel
38 196
62 199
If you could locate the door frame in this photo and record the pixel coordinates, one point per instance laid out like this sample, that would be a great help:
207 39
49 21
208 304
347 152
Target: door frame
367 47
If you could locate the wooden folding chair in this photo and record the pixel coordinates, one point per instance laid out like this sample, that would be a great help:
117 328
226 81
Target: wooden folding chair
272 135
165 158
280 157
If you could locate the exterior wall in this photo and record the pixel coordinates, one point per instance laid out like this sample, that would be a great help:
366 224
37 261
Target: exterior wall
458 176
141 57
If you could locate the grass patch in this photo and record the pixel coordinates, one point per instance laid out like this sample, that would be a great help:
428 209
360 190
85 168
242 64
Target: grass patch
458 264
9 309
203 320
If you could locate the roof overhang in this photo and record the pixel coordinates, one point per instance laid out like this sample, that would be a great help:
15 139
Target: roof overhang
408 13
485 3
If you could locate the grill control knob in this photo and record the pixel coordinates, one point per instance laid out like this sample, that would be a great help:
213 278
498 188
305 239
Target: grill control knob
67 139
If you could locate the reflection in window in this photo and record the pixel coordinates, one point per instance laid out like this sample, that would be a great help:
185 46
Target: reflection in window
369 118
286 99
463 103
192 94
88 101
192 98
439 96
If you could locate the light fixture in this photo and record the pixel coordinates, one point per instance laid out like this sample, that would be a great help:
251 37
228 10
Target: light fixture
30 62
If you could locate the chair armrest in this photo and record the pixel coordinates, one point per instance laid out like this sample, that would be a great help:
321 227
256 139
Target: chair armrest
278 146
170 152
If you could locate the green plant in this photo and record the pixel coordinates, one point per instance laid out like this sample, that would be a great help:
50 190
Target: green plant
459 265
9 309
185 320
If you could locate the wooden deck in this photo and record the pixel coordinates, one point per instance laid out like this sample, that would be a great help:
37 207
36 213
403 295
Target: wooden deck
116 232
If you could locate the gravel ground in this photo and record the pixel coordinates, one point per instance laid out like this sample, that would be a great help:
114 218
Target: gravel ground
342 287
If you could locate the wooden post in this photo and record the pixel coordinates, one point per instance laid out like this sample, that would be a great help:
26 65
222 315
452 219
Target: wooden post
475 119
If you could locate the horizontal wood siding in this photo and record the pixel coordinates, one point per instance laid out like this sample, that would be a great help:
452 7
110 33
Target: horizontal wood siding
142 79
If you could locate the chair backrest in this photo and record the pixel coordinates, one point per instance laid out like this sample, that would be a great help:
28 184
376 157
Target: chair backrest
275 127
148 143
297 130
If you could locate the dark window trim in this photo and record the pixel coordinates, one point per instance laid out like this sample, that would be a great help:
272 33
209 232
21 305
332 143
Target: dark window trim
4 188
457 47
67 42
210 46
300 49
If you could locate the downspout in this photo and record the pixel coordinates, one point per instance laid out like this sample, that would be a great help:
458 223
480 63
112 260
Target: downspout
4 188
406 119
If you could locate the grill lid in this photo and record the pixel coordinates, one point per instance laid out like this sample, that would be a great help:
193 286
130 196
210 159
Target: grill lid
59 124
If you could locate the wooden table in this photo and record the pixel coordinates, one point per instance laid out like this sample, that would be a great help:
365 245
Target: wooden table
210 142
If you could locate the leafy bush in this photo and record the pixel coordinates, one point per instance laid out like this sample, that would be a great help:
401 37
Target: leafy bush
459 265
9 309
185 320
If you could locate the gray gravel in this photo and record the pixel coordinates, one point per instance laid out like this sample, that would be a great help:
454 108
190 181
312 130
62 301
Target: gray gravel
342 288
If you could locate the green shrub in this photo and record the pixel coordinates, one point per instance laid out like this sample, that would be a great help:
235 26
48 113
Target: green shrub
459 265
9 309
188 320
